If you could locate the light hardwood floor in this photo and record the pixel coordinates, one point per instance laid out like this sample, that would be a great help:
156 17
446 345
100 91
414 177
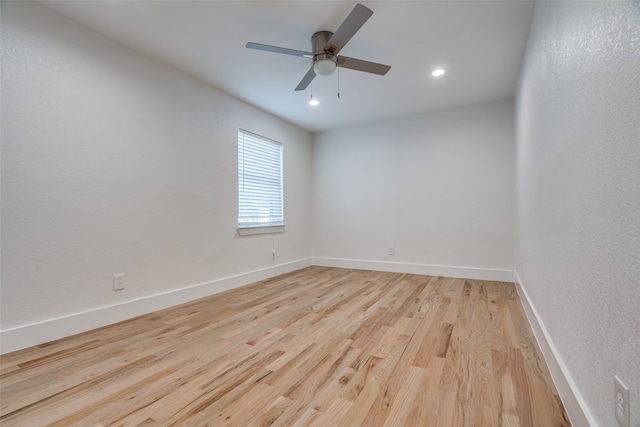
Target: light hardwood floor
316 347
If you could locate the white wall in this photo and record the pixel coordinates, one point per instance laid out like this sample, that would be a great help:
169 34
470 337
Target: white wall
578 205
439 187
114 163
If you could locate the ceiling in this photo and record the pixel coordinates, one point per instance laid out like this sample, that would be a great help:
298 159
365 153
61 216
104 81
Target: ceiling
479 43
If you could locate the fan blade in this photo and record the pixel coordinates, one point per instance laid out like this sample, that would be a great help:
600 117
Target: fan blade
356 19
360 65
277 49
306 79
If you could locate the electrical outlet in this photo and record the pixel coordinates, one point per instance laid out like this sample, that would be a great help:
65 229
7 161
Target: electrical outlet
392 250
273 254
118 282
622 403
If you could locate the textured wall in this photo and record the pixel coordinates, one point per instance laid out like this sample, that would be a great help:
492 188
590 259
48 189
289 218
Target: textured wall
578 205
439 187
114 163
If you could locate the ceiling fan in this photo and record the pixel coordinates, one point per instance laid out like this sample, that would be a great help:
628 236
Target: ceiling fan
326 46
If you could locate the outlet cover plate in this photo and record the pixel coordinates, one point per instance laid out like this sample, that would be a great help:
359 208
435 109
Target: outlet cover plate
621 403
118 282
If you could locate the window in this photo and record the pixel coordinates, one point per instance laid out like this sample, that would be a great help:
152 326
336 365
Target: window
260 204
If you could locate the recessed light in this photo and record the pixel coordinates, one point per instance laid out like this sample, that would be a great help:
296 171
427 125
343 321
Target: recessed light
437 72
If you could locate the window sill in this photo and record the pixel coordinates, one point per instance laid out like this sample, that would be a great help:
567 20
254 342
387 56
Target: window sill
260 229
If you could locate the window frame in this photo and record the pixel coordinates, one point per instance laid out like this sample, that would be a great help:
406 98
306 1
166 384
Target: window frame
246 228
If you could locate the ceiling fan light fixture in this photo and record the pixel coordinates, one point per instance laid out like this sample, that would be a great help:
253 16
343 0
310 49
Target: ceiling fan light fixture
325 65
437 72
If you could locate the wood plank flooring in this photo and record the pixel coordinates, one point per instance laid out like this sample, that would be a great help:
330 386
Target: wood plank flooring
316 347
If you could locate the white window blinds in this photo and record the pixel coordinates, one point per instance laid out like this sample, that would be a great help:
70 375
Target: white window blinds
259 181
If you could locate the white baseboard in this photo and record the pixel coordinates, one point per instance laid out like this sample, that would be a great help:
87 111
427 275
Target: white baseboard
52 329
426 269
572 400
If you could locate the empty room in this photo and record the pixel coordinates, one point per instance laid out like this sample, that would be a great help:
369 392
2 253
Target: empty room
320 213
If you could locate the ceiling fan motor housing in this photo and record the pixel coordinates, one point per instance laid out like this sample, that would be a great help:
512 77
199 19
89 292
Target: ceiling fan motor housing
319 41
324 61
